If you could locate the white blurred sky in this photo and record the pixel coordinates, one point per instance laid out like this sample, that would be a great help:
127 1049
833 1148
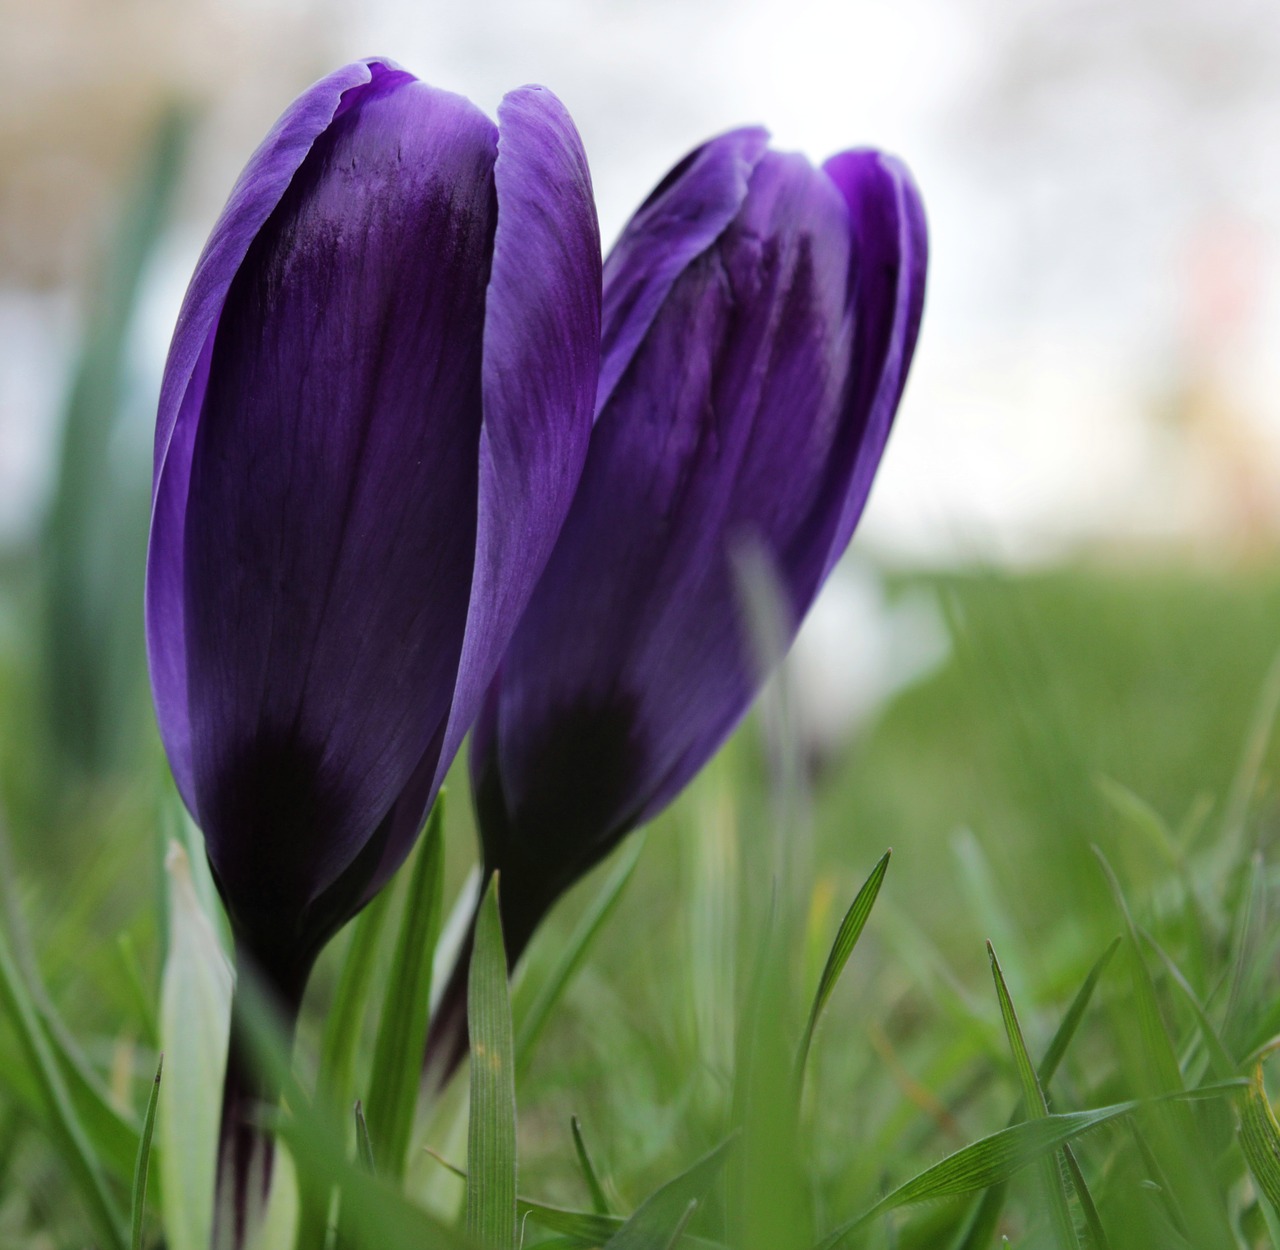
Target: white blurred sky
1099 356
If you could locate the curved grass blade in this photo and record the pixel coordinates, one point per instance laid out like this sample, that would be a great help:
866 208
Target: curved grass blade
996 1158
1260 1139
534 1019
61 1120
847 936
143 1166
1097 1235
491 1136
660 1219
599 1203
1037 1108
982 1226
1220 1062
402 1030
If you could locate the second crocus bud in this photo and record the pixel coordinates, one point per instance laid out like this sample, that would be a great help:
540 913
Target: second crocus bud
759 319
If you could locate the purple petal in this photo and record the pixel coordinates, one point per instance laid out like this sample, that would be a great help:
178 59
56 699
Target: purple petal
682 217
541 362
886 290
331 514
252 200
633 660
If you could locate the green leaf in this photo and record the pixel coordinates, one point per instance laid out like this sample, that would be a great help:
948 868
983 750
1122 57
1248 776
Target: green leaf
344 1025
364 1146
1220 1062
402 1031
143 1166
113 1136
491 1136
1037 1108
1260 1139
550 990
995 1159
982 1225
195 1013
380 1218
660 1219
60 1118
847 936
599 1203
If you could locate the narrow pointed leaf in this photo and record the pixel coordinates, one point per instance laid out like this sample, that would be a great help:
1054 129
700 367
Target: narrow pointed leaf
1260 1139
847 936
534 1019
491 1137
364 1145
402 1032
662 1215
996 1158
1037 1108
60 1118
143 1166
981 1227
599 1203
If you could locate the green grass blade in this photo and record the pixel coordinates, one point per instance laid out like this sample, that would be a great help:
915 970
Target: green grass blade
981 1227
143 1166
364 1145
1098 1239
491 1137
344 1025
847 936
61 1120
663 1214
599 1203
549 992
1260 1139
402 1031
1160 1058
1220 1062
378 1215
677 1233
1037 1108
994 1159
195 1013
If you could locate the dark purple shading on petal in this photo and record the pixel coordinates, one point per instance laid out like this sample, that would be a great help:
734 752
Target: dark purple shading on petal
682 217
886 290
541 362
252 200
330 520
633 661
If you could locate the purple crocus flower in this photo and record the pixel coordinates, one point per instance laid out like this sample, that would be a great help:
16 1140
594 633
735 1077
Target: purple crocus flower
374 414
759 319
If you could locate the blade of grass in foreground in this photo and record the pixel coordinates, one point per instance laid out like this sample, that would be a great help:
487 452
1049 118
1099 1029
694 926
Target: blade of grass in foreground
659 1221
491 1136
599 1203
1260 1139
1037 1108
996 1158
402 1031
847 936
61 1120
981 1228
143 1166
534 1019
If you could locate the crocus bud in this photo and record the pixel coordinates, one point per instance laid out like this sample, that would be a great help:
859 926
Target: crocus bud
759 319
374 414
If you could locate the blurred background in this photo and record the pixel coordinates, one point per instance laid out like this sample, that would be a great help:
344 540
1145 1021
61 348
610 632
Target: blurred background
1065 592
